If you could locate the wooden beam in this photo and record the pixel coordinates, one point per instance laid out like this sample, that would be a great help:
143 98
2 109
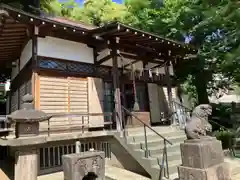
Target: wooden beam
15 25
104 59
116 86
159 65
8 47
34 45
169 89
15 30
95 55
101 46
12 37
10 41
140 58
13 34
126 65
131 48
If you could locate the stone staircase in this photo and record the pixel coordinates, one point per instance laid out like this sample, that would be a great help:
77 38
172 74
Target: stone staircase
152 164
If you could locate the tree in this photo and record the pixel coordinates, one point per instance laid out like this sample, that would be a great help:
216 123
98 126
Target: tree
100 12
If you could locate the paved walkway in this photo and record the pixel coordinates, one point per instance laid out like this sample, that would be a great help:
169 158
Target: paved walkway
121 174
235 166
113 172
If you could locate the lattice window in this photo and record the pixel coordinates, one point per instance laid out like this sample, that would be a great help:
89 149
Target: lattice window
77 67
51 64
103 71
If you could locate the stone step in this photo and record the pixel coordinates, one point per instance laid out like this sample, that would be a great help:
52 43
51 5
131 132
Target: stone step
137 130
141 137
170 148
160 143
157 150
172 168
153 161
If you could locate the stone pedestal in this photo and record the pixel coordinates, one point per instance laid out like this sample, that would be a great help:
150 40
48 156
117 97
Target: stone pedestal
26 164
203 160
78 166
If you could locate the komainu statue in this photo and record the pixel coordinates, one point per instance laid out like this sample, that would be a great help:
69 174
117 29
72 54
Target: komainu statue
198 126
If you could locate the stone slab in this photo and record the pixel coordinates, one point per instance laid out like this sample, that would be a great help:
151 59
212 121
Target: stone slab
201 153
44 138
218 172
78 166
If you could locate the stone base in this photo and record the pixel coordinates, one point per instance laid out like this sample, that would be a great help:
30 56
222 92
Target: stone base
84 165
201 153
217 172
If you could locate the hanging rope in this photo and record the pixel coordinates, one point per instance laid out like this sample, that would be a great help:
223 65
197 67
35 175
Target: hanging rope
133 78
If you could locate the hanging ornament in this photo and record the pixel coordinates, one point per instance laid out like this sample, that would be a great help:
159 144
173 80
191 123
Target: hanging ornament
141 73
150 73
157 72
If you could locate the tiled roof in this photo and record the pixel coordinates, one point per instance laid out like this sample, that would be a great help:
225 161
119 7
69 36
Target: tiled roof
71 22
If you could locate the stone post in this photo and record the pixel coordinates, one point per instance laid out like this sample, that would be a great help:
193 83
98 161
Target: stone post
26 164
27 121
203 159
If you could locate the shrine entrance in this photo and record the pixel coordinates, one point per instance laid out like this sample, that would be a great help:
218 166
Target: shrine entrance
141 97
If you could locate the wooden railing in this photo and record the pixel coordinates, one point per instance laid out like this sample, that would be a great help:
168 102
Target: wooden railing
107 124
4 127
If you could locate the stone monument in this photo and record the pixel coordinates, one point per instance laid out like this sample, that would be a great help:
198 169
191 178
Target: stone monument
88 165
202 155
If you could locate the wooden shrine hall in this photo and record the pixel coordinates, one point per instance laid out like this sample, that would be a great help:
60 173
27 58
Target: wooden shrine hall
73 67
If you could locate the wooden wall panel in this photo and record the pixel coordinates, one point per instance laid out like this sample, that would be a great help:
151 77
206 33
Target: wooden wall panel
63 95
96 98
53 94
78 99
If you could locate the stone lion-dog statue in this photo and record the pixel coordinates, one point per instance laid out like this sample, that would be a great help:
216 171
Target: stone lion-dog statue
198 126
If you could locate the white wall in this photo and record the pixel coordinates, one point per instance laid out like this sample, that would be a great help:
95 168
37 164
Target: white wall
25 56
64 49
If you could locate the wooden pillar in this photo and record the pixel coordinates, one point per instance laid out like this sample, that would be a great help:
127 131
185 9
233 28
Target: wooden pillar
169 89
26 164
34 45
116 85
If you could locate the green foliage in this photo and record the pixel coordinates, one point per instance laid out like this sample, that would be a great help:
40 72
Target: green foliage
221 114
226 137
